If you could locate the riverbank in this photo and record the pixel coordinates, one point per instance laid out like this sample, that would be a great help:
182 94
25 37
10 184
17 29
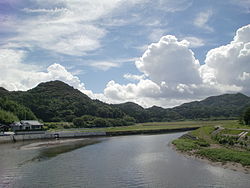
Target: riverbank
229 152
226 165
79 134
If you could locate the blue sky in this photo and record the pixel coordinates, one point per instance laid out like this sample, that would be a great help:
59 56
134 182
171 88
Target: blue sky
102 47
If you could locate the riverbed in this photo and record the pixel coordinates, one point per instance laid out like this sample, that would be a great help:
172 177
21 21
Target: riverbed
125 161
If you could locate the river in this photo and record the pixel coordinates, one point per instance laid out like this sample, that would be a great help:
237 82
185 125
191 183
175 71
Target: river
125 161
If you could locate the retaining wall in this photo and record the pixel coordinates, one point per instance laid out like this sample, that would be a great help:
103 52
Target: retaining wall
52 135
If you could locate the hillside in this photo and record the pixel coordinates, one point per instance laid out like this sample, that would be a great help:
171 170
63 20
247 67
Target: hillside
152 114
215 107
227 105
12 111
134 110
56 101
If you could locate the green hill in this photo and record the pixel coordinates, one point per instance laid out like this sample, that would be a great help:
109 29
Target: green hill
227 106
56 101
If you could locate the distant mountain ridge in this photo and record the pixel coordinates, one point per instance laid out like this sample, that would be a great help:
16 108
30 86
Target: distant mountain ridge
226 105
57 101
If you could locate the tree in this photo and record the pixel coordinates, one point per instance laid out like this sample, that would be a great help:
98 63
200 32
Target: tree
7 117
246 116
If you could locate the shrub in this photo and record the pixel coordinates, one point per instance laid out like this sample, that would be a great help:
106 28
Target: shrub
246 116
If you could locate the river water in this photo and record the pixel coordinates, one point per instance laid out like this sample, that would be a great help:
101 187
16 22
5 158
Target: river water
126 161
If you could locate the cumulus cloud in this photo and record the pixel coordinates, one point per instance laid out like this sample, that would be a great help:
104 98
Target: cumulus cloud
170 61
230 64
144 90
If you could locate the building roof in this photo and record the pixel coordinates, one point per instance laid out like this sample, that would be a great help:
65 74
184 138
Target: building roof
16 124
31 122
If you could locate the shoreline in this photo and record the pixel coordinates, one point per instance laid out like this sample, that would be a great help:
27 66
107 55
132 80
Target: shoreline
226 165
76 134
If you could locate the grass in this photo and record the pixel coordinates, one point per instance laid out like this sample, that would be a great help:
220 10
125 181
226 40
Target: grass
184 144
231 131
204 133
225 155
220 153
149 126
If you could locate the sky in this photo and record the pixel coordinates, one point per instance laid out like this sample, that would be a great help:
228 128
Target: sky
151 52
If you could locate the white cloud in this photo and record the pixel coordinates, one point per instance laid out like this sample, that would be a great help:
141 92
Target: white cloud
67 27
43 10
103 65
230 64
133 77
195 42
73 27
170 61
113 63
144 89
202 20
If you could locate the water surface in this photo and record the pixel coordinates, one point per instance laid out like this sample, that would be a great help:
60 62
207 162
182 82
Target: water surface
127 161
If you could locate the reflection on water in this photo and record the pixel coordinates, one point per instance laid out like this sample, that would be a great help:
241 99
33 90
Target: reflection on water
51 149
128 161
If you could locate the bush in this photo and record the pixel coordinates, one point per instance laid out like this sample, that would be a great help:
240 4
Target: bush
79 122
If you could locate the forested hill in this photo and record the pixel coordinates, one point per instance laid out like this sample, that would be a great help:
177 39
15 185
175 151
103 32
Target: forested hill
57 101
216 107
227 105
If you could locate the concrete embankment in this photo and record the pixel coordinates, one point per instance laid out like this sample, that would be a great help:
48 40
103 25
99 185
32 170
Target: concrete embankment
48 135
72 134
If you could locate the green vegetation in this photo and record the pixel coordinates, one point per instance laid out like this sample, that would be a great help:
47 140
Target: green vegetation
17 109
225 106
184 144
88 121
225 155
58 125
7 117
11 111
225 143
